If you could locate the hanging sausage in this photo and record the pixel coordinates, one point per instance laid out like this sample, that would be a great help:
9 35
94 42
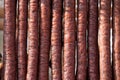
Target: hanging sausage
56 39
22 38
93 58
69 41
104 40
32 67
116 39
10 63
81 40
45 28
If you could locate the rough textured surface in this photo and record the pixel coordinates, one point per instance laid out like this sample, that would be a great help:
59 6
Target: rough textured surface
33 41
81 40
104 40
116 39
69 41
93 40
22 39
45 28
56 40
10 65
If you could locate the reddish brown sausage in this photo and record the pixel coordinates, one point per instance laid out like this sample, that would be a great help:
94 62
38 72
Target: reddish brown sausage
33 41
104 40
116 39
93 40
81 40
22 39
56 39
10 65
69 40
44 39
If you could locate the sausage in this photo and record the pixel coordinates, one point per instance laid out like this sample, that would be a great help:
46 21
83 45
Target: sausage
22 39
10 63
69 41
32 67
81 40
104 40
56 39
93 59
45 30
116 39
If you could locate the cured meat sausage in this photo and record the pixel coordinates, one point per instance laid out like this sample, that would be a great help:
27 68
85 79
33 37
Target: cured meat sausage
22 39
104 40
33 41
69 41
44 39
10 66
93 40
56 40
81 40
116 39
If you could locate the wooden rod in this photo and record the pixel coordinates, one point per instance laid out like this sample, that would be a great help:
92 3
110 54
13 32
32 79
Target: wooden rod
1 24
1 12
